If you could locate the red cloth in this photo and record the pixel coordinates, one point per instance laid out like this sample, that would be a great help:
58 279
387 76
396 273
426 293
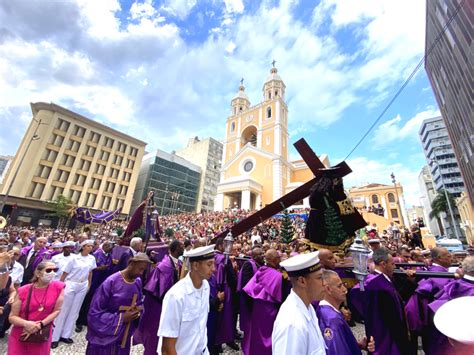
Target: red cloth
15 346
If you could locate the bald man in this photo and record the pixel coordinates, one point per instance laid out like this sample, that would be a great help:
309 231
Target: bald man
268 289
31 256
327 259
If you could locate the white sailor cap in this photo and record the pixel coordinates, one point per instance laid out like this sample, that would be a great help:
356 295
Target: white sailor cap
87 242
454 319
69 243
426 252
201 253
57 245
302 264
373 241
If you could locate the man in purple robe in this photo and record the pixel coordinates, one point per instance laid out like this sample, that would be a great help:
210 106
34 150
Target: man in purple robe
160 280
103 259
31 256
440 260
336 332
226 281
384 314
116 309
439 343
136 245
268 290
248 270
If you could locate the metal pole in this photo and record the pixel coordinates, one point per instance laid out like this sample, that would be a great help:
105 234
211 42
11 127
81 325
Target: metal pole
398 198
7 193
446 195
164 199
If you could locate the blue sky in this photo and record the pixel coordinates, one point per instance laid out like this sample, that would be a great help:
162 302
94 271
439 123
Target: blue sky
164 71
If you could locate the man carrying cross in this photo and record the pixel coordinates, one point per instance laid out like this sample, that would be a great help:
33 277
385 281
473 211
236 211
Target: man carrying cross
116 309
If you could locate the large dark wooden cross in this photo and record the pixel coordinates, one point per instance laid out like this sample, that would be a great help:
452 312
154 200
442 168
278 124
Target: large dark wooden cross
314 164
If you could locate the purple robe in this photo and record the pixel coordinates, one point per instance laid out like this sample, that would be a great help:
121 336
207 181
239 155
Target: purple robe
105 322
225 319
161 279
245 300
99 276
266 290
356 299
437 268
439 343
336 332
29 271
385 318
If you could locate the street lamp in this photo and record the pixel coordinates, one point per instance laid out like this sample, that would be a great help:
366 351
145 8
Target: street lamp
394 181
360 257
228 244
435 160
94 235
113 235
34 137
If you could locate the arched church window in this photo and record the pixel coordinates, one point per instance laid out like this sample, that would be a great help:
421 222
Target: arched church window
391 197
240 108
232 127
269 112
276 93
269 95
235 110
375 199
267 140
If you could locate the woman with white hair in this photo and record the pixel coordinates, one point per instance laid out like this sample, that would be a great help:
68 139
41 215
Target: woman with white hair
77 276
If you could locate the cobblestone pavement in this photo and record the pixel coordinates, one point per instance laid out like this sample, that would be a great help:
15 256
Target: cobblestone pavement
79 346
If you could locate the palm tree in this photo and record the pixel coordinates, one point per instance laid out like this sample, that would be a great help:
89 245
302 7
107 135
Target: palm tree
440 205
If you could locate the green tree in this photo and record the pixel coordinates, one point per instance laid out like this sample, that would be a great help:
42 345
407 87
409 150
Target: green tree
169 232
287 231
334 227
440 205
61 208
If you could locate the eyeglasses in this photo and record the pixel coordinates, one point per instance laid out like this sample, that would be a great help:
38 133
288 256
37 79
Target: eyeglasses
51 270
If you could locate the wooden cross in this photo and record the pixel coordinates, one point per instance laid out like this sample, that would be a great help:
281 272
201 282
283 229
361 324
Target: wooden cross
314 164
127 328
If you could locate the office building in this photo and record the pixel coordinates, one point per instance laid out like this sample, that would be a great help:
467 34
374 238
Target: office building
174 180
5 161
450 70
207 154
428 194
64 153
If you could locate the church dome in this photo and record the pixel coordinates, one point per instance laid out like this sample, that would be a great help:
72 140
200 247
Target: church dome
241 94
273 75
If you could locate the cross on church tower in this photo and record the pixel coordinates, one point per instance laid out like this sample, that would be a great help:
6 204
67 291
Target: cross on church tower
273 63
242 82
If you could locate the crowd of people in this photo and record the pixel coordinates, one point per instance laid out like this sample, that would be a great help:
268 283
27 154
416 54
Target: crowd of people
265 296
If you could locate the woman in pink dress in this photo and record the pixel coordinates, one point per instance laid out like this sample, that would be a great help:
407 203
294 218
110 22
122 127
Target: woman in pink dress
45 304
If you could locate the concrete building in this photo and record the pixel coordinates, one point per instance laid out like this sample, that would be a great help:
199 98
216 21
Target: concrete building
449 68
64 153
440 156
256 169
467 217
374 196
207 154
175 181
428 193
5 161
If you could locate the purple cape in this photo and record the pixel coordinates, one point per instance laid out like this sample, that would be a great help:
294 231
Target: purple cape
356 299
245 300
105 322
337 334
161 279
225 332
265 288
99 276
385 318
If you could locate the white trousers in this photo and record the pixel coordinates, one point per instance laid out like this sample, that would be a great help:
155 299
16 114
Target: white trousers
74 294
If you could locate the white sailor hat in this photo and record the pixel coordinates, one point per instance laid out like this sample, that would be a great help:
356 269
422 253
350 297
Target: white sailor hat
426 252
201 253
454 319
87 242
302 264
373 241
57 245
69 243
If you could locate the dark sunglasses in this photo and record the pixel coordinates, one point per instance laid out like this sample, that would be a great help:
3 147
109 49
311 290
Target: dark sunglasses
51 270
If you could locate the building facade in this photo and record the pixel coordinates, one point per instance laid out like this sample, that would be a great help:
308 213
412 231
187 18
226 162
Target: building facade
440 156
207 154
64 153
256 169
5 161
449 68
376 196
174 180
466 213
428 194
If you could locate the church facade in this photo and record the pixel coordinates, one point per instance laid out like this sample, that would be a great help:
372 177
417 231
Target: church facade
256 169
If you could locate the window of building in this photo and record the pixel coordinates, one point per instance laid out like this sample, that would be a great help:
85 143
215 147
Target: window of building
375 199
276 93
104 155
109 142
79 131
267 140
394 213
269 95
269 112
391 197
133 152
232 127
100 169
122 147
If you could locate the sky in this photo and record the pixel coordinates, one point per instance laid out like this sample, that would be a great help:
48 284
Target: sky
165 71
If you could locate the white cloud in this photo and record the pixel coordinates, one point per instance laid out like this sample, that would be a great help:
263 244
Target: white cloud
394 130
178 8
230 48
234 6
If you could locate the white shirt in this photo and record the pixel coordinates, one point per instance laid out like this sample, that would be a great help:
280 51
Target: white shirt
255 238
296 329
61 261
17 272
380 272
78 268
184 316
